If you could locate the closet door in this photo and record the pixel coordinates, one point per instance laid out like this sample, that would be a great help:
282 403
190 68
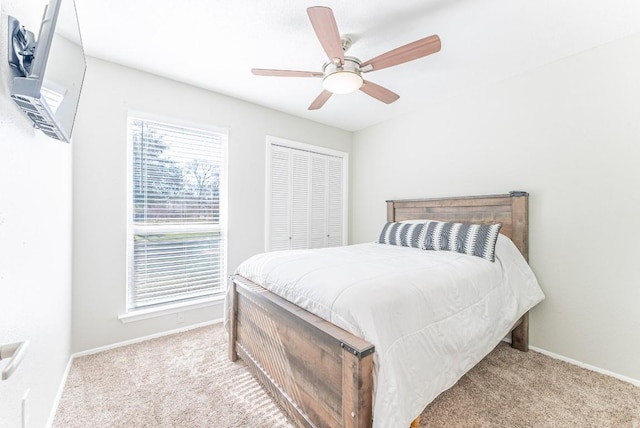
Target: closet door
306 199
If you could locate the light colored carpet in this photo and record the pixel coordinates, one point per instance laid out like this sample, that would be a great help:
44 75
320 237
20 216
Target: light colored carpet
186 380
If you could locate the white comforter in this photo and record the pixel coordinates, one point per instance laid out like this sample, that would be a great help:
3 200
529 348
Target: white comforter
432 315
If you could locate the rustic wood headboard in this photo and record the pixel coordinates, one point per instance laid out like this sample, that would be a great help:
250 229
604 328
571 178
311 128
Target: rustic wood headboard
512 210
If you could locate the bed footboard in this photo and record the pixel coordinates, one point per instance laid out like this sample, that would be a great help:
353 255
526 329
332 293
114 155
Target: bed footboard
321 375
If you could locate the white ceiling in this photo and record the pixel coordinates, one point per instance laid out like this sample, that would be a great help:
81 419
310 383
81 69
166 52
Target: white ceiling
213 44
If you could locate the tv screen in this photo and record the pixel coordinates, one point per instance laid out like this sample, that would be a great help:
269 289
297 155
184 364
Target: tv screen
50 91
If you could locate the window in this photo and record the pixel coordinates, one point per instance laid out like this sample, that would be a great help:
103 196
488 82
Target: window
176 237
306 196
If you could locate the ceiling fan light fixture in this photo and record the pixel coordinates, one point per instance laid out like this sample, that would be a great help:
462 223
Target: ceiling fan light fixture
342 82
342 78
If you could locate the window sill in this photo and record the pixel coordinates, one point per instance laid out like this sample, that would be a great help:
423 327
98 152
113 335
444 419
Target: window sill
171 308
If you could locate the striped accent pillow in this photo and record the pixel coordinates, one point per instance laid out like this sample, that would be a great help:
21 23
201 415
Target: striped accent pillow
472 239
403 234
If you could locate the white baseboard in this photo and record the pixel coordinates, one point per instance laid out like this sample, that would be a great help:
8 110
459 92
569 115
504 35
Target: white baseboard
144 338
56 401
632 381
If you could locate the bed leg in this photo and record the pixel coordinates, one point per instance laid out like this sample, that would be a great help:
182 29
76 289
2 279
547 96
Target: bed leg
520 334
233 323
416 422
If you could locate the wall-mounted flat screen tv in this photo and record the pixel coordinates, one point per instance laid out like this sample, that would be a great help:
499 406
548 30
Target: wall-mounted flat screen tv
51 69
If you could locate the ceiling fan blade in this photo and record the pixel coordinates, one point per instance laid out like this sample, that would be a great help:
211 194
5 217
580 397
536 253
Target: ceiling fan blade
324 24
406 53
285 73
320 100
378 92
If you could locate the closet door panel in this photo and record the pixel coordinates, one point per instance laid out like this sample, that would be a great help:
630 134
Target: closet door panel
300 199
318 214
335 201
280 199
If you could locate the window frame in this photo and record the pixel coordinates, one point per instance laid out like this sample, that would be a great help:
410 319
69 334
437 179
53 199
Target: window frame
133 313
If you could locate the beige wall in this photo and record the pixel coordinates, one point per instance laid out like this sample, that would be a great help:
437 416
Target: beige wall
99 188
35 247
568 133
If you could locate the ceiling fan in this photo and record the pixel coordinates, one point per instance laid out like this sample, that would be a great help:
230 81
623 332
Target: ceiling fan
343 74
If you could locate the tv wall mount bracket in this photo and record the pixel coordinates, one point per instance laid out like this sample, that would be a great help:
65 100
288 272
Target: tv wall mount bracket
22 47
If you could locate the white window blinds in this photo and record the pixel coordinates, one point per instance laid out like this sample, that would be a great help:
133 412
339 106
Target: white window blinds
176 238
306 197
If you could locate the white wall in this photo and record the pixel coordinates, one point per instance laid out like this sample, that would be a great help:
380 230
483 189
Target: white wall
100 187
35 246
568 133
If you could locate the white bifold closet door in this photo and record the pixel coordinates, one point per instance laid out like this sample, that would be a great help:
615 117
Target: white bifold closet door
306 206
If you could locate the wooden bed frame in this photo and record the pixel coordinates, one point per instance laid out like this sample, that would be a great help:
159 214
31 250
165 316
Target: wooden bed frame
321 375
